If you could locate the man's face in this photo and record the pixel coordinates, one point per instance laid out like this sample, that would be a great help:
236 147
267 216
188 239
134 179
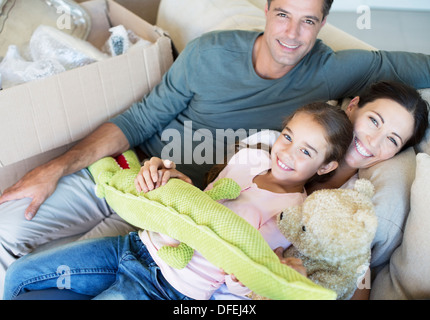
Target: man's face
291 30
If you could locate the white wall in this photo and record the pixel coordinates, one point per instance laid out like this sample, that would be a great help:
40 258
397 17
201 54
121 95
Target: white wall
352 5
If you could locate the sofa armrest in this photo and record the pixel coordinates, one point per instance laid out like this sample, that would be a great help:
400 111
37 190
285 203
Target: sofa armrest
338 40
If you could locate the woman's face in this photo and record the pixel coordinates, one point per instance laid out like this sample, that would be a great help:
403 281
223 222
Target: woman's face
381 128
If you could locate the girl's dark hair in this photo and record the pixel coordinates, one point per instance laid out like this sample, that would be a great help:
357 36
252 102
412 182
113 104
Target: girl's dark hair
338 127
339 134
325 9
407 97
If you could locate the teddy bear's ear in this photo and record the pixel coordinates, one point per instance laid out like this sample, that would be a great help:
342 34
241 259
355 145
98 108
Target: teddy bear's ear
365 187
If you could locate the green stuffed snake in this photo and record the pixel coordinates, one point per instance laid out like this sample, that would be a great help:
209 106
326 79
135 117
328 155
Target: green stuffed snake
194 218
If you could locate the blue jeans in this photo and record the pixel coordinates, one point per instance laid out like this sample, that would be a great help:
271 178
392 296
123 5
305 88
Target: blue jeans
115 268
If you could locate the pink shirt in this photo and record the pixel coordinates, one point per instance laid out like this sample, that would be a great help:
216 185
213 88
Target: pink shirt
199 279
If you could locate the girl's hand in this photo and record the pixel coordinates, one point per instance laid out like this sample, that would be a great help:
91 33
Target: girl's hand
155 173
233 278
295 263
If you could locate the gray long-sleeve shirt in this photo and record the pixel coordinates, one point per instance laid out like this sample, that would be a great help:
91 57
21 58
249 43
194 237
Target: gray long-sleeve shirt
213 85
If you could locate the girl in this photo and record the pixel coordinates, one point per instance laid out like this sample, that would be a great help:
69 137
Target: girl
313 142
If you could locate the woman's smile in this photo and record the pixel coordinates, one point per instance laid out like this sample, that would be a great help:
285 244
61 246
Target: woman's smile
361 149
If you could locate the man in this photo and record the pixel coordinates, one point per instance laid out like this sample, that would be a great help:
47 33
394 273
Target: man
223 80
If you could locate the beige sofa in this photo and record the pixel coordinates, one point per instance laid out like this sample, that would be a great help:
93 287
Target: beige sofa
401 186
407 275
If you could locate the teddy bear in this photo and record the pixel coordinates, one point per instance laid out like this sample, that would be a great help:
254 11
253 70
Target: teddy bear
332 232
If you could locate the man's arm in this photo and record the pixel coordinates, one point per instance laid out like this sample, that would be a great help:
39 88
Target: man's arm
129 129
41 182
350 72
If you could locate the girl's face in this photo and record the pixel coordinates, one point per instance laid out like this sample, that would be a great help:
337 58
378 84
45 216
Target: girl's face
381 128
300 151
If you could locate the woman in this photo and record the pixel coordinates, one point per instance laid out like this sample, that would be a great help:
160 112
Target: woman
388 118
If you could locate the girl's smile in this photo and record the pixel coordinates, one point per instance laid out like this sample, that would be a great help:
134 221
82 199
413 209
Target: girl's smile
283 166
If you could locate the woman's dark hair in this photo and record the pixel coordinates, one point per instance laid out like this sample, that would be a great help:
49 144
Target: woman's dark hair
407 97
325 9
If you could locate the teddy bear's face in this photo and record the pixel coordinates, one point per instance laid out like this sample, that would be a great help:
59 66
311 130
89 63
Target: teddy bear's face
330 225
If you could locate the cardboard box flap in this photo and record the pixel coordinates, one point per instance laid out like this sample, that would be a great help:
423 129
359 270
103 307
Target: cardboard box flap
106 14
42 115
120 15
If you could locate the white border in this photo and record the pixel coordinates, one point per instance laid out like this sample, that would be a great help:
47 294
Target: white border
352 5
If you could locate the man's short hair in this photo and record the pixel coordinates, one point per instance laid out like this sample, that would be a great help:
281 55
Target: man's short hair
325 10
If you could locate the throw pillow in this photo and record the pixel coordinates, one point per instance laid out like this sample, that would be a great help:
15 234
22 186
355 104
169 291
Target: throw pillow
408 274
392 180
424 146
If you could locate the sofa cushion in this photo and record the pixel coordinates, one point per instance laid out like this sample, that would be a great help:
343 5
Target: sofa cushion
199 16
424 146
392 180
407 276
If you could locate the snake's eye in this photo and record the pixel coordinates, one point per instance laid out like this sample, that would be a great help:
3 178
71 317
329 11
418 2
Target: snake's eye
303 228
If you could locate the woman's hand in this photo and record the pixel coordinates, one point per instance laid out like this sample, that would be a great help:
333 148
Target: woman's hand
155 173
295 263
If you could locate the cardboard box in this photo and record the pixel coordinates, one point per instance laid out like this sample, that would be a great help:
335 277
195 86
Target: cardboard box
41 119
146 9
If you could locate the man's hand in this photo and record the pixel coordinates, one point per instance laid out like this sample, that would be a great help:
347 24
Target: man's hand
38 184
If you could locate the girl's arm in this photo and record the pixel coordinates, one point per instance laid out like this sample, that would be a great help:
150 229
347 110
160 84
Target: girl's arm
155 173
